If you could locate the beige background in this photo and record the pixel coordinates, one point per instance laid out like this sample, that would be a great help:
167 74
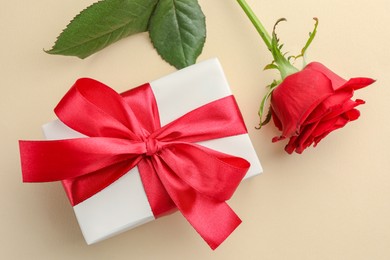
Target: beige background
332 202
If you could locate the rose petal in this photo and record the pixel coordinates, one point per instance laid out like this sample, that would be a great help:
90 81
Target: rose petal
290 147
328 125
303 140
339 82
358 83
322 133
336 80
276 120
297 96
338 110
337 99
337 118
353 114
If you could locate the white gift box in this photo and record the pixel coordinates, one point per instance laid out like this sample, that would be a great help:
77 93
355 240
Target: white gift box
123 205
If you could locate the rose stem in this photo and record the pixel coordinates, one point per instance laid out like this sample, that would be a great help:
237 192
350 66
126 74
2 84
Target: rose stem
256 22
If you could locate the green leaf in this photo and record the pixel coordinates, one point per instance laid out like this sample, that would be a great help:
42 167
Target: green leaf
178 31
283 64
270 66
271 88
309 41
102 24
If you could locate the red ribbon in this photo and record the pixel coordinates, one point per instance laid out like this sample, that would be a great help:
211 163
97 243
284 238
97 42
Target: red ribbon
123 132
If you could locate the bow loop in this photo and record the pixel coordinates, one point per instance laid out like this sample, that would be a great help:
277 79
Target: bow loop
220 118
97 110
212 173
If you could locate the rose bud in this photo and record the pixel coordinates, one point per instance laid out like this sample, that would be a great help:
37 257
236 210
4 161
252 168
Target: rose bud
310 104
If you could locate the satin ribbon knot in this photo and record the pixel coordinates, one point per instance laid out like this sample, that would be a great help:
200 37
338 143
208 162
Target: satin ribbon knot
152 146
185 175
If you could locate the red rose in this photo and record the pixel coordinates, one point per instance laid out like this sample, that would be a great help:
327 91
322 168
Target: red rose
305 105
310 104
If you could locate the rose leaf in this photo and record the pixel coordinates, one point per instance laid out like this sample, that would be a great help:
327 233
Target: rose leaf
178 31
102 24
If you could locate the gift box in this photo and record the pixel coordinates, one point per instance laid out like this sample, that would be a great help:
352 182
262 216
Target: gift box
124 204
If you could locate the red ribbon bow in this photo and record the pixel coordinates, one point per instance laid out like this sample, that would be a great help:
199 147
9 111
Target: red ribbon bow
123 132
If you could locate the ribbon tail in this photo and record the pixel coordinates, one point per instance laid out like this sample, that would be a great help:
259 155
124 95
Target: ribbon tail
214 220
159 200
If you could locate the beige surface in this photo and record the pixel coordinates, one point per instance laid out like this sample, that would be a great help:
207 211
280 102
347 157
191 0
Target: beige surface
332 202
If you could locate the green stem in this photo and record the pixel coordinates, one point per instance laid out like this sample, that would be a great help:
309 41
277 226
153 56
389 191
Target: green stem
256 22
